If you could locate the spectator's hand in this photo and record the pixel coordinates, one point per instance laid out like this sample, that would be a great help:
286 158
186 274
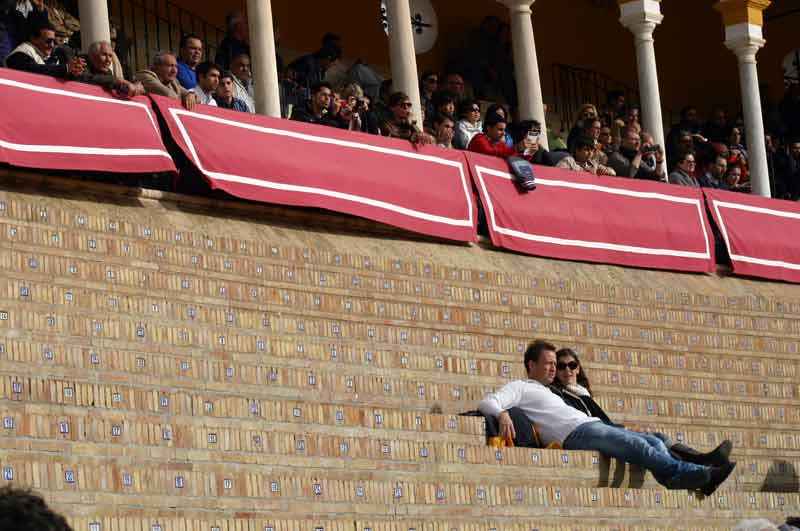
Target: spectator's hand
659 155
447 136
422 139
189 101
76 66
135 89
355 122
506 426
609 172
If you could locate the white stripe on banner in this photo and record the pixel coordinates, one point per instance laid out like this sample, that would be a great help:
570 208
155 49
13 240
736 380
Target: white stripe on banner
80 150
758 210
481 170
78 95
176 113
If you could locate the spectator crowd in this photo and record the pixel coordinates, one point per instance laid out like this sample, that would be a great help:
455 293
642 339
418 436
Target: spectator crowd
318 88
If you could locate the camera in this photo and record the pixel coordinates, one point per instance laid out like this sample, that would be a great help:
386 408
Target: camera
650 149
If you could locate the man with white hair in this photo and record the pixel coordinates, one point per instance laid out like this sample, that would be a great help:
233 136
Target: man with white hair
100 71
162 79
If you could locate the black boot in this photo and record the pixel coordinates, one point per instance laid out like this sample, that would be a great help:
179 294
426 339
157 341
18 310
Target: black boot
719 456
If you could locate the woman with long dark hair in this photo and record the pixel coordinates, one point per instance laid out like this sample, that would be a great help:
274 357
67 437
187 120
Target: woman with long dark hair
572 384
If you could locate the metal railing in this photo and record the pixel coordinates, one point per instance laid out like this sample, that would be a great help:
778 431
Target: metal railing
152 25
573 86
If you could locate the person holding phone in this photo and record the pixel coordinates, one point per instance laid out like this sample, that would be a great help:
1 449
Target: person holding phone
529 133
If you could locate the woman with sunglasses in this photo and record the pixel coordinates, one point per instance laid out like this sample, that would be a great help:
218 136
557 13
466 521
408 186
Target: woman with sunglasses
572 384
469 124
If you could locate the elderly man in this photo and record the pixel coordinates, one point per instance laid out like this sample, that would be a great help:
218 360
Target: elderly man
33 55
162 79
243 81
100 71
190 55
560 423
236 41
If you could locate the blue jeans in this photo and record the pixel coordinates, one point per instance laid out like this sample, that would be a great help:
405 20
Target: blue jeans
641 449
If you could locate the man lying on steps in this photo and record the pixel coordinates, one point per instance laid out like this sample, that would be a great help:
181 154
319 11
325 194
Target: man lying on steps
557 422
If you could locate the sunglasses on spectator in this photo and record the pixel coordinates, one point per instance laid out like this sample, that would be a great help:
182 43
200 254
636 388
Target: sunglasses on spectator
51 42
573 365
406 105
475 109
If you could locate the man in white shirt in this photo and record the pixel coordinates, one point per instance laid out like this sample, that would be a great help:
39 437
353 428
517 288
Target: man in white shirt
557 422
208 75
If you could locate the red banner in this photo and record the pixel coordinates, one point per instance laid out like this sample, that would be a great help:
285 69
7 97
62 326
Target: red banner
578 216
52 124
760 233
425 190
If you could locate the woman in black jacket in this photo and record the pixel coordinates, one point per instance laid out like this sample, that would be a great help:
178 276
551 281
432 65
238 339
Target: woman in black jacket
572 384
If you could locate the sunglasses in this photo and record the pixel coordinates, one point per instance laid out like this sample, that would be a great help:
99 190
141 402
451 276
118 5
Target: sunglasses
51 42
406 105
572 365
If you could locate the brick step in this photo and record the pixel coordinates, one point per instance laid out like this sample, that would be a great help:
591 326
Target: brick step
166 402
269 382
94 307
433 297
234 488
275 518
454 375
121 220
201 440
200 288
139 328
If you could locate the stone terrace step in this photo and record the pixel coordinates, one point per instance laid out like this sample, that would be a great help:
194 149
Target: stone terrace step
406 295
111 217
234 488
38 429
268 518
265 380
200 288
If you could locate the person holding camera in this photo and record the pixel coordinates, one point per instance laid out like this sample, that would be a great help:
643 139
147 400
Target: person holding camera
637 159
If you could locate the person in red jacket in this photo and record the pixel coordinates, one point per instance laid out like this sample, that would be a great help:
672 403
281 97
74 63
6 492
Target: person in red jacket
493 141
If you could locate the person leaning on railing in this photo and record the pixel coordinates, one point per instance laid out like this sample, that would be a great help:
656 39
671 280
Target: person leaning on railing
400 125
637 159
583 147
162 79
100 71
493 141
34 55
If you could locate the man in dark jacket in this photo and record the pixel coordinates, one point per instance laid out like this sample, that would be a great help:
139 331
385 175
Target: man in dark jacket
310 69
787 171
34 55
236 42
316 109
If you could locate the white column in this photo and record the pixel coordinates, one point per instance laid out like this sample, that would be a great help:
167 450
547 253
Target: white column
745 40
94 22
265 67
526 64
642 17
402 55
